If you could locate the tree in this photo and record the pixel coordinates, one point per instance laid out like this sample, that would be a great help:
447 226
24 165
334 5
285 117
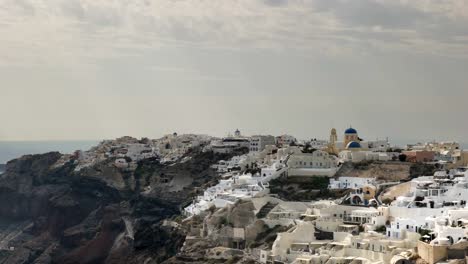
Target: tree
402 157
361 228
381 229
387 201
308 148
424 232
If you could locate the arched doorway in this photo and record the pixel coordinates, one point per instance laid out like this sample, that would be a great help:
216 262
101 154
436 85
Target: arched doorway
356 200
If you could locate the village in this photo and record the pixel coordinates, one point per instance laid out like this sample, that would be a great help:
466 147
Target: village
378 219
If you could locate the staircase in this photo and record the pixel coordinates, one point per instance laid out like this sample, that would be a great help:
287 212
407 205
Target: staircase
266 209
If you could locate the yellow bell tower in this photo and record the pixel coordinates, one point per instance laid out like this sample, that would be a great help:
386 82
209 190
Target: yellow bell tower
331 148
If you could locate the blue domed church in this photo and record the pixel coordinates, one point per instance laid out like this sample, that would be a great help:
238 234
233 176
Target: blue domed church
351 139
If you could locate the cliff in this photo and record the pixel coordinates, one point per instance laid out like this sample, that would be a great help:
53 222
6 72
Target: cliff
52 214
389 171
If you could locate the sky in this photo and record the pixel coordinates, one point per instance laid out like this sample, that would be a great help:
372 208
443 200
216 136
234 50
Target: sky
94 69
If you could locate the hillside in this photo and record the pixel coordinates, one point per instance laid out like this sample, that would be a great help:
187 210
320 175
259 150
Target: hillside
388 171
98 215
303 189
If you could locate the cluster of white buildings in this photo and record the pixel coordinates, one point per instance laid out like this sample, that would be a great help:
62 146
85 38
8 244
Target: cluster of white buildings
256 143
268 164
231 190
237 185
127 151
331 233
448 153
429 222
173 146
272 157
438 191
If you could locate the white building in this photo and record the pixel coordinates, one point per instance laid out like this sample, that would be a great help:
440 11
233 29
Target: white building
400 226
363 155
318 143
285 140
237 187
350 182
259 142
318 163
431 192
375 145
229 144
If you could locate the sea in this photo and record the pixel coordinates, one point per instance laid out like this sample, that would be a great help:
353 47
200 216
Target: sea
14 149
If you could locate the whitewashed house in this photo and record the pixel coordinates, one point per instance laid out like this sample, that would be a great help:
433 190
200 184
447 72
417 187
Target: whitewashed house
317 163
350 182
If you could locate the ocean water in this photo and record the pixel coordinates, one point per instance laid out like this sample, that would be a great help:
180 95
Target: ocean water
13 149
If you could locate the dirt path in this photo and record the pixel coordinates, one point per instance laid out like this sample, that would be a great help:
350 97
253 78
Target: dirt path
395 191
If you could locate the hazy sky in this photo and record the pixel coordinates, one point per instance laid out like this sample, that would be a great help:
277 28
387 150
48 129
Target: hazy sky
92 69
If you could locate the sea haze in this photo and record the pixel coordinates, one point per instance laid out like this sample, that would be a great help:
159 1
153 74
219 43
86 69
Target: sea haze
13 149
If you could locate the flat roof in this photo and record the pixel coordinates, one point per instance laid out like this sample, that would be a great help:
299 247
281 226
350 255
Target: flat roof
338 244
348 225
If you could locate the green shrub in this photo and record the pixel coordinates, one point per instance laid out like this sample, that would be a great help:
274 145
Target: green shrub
387 201
381 229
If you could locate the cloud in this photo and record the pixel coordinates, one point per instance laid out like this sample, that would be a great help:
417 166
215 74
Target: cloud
76 31
369 13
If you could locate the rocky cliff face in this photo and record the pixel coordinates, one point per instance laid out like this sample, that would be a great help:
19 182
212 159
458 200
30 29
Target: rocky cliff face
101 214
